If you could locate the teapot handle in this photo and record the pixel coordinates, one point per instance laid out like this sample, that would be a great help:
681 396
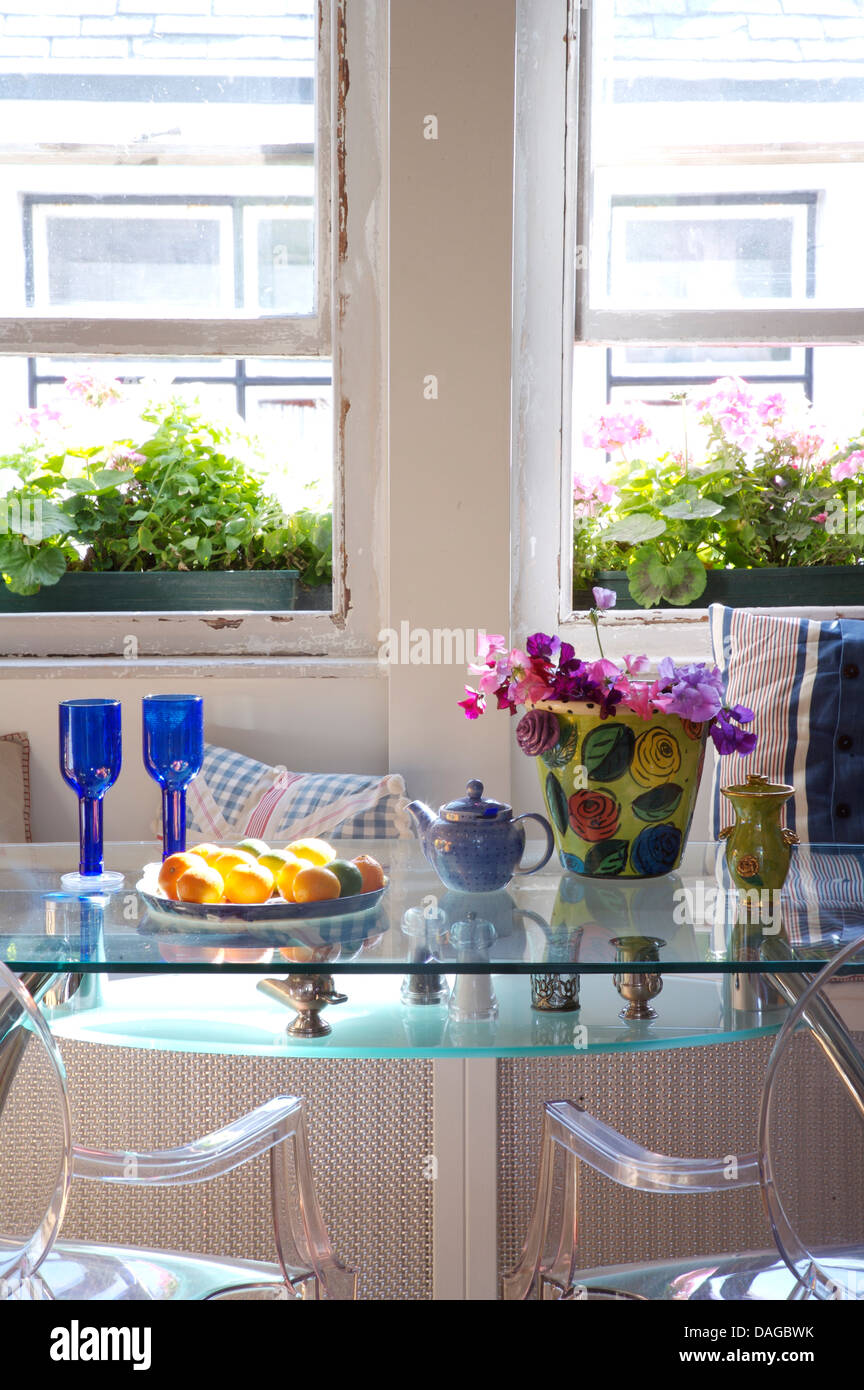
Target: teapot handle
550 841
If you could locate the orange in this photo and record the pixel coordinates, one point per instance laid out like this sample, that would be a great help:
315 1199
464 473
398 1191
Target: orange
174 866
202 885
314 851
286 875
370 871
249 883
209 853
315 884
230 858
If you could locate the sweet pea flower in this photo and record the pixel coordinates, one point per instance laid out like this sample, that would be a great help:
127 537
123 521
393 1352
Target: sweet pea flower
634 664
772 408
696 691
488 646
604 598
474 705
639 696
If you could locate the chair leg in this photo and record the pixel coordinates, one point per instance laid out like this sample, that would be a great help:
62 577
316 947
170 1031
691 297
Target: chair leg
302 1242
549 1252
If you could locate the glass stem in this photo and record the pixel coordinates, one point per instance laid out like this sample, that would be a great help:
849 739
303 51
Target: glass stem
173 822
90 835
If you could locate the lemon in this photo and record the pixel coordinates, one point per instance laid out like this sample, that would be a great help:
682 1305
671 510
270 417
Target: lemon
316 852
255 847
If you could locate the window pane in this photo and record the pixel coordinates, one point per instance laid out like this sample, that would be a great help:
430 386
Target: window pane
119 135
273 421
725 156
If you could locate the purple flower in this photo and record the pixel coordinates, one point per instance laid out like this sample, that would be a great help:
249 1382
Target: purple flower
541 644
695 692
537 731
729 737
604 598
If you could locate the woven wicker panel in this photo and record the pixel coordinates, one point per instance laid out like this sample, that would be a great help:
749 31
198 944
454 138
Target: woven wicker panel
370 1131
697 1102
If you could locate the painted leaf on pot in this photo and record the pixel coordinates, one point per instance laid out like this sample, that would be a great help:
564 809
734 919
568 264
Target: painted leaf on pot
607 750
659 803
607 858
556 800
564 750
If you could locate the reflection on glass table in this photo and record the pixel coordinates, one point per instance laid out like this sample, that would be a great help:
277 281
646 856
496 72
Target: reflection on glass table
555 922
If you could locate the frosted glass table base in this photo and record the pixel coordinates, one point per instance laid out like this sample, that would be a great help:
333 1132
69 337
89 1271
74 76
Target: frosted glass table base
107 882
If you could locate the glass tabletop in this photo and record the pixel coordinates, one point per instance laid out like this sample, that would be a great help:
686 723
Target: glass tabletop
690 920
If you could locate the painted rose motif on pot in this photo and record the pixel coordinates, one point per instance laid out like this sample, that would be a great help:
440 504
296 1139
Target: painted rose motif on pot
656 850
656 757
594 815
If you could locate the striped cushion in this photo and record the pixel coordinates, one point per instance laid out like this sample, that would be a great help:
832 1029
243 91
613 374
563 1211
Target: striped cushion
804 681
235 796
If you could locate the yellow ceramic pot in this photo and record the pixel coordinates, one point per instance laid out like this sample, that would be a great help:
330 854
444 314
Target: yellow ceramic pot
620 791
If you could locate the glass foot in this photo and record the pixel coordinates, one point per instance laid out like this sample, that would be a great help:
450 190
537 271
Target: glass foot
107 882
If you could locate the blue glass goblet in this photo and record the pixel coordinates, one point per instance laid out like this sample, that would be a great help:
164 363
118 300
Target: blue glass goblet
173 728
90 761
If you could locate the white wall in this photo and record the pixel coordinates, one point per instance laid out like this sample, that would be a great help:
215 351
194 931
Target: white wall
307 725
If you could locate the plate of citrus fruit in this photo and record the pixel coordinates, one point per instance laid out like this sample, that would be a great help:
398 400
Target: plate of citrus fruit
219 885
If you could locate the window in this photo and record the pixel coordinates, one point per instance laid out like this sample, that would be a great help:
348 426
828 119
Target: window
717 165
167 188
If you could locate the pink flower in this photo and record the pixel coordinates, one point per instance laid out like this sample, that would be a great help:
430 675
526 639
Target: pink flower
610 431
604 598
590 494
848 467
474 705
634 664
772 408
602 672
639 696
489 644
37 418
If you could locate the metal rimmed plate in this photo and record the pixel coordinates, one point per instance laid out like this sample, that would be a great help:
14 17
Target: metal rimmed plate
219 918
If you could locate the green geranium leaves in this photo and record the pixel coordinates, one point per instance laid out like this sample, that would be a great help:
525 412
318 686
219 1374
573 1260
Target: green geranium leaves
652 579
639 526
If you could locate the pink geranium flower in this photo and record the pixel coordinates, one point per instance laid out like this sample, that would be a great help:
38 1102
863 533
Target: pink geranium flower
849 467
610 431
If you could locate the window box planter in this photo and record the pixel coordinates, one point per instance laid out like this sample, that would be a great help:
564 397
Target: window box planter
151 591
781 587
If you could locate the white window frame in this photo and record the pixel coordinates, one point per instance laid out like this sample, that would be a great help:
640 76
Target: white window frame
550 298
349 325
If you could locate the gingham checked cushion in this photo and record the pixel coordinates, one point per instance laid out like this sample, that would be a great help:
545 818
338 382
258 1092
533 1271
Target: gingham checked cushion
235 796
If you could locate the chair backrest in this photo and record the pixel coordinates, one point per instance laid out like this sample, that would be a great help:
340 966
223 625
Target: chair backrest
35 1140
811 1160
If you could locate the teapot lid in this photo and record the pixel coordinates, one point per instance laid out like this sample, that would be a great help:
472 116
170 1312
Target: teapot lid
476 807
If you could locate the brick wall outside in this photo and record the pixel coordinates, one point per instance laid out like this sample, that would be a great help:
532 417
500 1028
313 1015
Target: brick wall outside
157 30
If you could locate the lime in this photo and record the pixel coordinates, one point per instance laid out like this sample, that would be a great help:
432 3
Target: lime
349 876
276 859
256 847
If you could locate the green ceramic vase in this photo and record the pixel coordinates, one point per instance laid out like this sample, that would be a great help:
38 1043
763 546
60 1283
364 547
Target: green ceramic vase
620 791
758 848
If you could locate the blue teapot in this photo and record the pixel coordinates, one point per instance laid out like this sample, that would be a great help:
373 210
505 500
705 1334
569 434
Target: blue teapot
475 844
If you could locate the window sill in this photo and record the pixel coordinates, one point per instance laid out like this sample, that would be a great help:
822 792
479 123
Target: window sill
194 667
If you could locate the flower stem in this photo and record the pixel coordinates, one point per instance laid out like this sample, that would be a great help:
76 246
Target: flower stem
594 615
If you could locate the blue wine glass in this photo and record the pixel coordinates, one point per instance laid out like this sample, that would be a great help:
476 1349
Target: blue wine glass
173 729
90 761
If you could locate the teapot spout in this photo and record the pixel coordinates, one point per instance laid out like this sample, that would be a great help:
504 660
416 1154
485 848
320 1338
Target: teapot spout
423 817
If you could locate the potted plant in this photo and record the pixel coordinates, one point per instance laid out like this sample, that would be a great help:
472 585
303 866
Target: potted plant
121 498
755 493
619 752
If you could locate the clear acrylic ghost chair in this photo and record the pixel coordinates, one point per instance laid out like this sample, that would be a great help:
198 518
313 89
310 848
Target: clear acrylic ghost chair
307 1267
548 1262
